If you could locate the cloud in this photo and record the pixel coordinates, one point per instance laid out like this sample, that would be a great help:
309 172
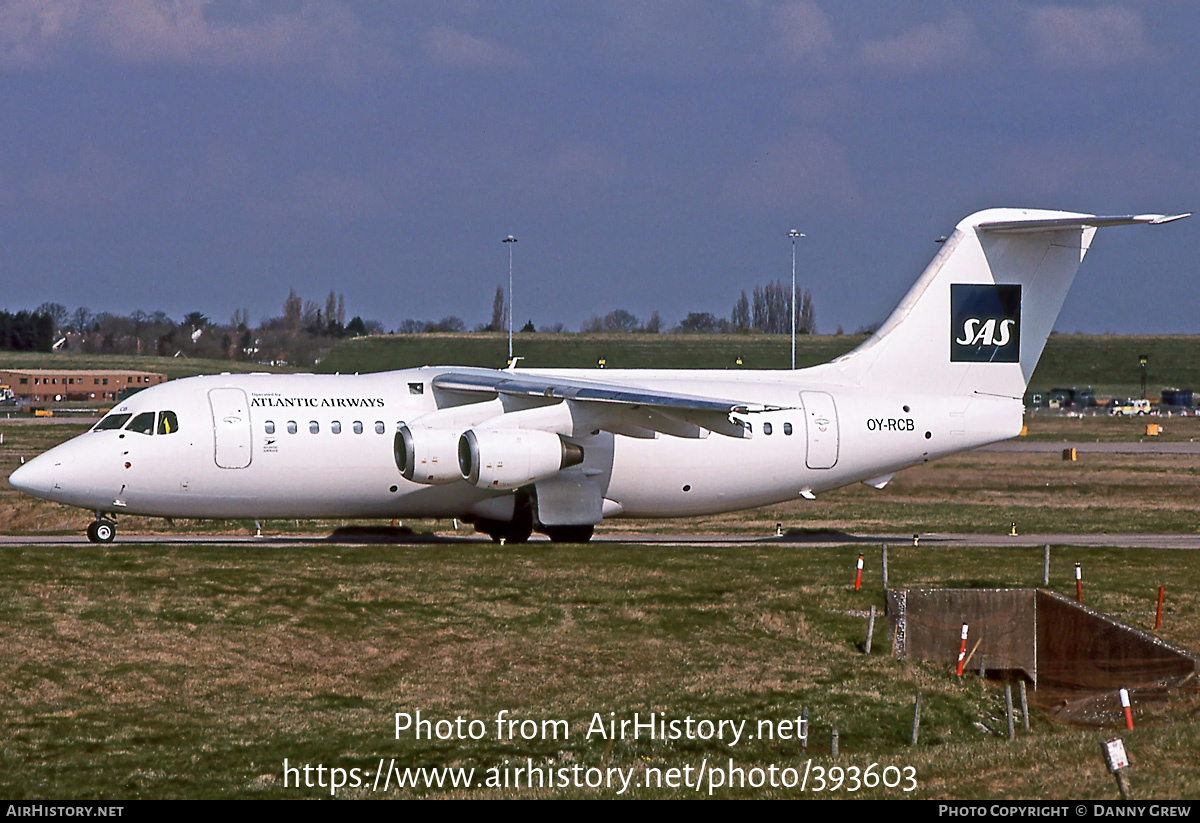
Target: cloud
1087 37
804 32
925 47
35 33
449 47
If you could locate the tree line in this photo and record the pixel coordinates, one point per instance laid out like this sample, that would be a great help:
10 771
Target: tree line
305 329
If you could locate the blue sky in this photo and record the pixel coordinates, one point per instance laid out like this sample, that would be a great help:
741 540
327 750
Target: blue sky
211 155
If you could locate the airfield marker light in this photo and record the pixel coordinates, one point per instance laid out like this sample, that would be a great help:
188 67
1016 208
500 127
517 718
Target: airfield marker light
916 539
1158 617
1128 711
858 574
1079 582
962 650
1012 532
779 530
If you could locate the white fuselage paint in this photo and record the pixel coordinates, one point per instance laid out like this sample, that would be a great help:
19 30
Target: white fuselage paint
217 465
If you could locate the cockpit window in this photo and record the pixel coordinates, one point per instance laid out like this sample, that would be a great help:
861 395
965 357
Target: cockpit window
112 421
142 424
168 423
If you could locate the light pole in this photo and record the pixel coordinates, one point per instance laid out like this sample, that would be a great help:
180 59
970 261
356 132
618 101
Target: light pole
794 234
509 240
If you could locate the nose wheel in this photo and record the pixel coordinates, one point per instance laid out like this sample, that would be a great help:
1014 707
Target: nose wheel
101 531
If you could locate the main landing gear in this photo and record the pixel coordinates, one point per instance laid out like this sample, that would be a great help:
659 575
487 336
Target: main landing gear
101 530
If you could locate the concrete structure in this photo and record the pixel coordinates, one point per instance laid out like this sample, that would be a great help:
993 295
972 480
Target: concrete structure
1076 657
75 385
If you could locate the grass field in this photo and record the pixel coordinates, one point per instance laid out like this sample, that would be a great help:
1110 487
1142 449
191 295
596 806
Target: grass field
1107 362
194 672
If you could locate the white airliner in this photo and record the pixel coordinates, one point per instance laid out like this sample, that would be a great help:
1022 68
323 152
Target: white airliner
559 450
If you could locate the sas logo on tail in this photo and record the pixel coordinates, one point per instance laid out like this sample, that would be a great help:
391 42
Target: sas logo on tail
985 323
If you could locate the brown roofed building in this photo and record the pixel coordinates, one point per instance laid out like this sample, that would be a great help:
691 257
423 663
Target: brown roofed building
75 385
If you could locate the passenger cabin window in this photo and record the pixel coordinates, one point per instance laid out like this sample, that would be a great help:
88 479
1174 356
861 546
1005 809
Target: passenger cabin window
142 424
314 427
291 427
168 422
787 428
112 421
270 427
767 429
358 429
379 427
336 427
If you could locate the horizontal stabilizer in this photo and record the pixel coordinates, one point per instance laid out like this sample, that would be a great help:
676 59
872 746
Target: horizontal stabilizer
1082 221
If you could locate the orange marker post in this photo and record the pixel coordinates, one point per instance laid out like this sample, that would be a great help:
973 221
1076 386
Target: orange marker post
962 649
1079 582
858 574
1125 706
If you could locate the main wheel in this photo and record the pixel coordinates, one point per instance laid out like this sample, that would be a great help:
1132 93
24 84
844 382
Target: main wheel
105 531
91 532
570 534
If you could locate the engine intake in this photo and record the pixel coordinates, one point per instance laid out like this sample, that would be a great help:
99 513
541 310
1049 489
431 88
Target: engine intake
427 455
510 458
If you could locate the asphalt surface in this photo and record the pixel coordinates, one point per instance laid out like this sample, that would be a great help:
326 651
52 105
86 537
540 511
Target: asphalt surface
1084 447
1190 542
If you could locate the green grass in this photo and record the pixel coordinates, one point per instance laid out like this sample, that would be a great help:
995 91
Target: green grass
620 351
1109 363
194 672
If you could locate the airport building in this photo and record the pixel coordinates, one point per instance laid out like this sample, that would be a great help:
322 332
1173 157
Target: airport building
75 385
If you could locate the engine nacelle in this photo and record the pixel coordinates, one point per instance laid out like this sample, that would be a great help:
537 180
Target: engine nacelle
509 458
427 456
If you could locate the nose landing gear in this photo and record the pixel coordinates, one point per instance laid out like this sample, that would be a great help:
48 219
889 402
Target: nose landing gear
101 530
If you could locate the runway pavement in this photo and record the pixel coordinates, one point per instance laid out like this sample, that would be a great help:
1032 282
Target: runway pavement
1181 541
1084 447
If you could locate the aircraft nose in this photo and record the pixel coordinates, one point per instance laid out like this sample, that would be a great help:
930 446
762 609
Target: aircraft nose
35 477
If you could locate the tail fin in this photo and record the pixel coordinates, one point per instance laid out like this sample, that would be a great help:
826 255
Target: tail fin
977 319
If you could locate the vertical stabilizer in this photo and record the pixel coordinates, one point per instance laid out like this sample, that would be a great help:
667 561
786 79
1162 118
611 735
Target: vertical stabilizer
977 319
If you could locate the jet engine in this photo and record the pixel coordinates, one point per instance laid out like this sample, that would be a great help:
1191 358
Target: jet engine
509 458
427 455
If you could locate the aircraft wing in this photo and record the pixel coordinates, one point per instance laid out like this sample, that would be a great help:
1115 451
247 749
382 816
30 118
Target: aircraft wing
620 408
